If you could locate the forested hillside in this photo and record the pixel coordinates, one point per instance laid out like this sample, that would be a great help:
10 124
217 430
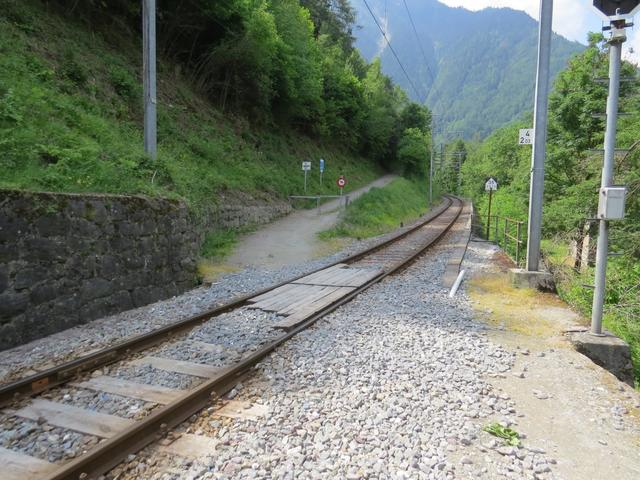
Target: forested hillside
572 180
247 89
480 66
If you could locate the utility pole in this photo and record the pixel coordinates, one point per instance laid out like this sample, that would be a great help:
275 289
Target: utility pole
618 37
616 13
536 191
149 77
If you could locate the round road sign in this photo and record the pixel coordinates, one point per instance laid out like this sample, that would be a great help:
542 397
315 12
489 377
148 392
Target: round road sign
341 181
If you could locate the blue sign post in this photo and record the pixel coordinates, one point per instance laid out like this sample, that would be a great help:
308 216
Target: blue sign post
321 169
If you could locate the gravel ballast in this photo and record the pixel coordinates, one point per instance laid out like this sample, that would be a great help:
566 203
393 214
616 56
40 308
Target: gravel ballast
391 385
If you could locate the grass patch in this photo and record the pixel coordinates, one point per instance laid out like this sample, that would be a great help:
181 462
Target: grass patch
219 243
381 210
621 310
510 436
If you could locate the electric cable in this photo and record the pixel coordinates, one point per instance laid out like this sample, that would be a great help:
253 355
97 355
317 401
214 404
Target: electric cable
393 51
415 31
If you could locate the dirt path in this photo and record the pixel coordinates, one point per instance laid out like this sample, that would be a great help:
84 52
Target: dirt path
293 239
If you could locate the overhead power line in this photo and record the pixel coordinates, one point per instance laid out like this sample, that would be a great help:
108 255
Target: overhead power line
393 51
415 31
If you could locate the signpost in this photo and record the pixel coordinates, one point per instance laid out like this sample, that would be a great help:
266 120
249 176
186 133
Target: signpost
490 186
306 166
321 169
526 136
341 182
611 200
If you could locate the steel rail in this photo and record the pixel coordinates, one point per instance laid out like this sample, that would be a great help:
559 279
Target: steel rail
111 452
66 371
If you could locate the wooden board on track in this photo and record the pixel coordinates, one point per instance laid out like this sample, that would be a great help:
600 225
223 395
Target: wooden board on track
311 279
308 300
302 313
125 388
18 466
74 418
343 277
178 366
277 303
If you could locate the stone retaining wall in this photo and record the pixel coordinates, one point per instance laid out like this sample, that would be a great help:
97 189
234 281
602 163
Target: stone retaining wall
67 259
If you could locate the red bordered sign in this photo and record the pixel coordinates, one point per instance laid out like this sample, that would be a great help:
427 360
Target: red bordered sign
341 182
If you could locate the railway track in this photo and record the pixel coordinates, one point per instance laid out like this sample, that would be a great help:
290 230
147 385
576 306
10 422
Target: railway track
284 310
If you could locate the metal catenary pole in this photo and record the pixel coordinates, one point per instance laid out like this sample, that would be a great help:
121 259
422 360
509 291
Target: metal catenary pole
615 53
149 77
489 214
539 145
433 127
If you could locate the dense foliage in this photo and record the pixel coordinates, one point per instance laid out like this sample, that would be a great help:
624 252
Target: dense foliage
481 65
572 180
247 88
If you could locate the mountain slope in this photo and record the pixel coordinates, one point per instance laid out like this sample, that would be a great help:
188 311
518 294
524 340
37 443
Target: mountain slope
481 65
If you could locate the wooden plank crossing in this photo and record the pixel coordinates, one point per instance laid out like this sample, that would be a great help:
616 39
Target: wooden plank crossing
342 277
18 466
74 418
125 388
178 366
304 312
279 301
303 297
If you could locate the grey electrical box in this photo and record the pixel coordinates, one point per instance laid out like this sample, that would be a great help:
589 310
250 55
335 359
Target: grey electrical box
611 203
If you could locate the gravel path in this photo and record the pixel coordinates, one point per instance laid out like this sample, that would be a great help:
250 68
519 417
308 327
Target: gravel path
392 385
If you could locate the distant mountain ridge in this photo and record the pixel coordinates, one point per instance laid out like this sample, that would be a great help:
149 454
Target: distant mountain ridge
481 65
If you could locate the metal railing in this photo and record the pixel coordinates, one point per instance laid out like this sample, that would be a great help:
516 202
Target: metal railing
320 198
504 231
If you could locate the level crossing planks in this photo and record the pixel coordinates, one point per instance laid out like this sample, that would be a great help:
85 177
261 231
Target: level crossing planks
304 312
343 277
74 418
18 466
125 388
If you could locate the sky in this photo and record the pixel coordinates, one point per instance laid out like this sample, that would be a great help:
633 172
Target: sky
572 18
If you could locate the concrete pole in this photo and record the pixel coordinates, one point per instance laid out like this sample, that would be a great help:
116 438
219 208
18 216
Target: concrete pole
149 77
615 54
536 191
